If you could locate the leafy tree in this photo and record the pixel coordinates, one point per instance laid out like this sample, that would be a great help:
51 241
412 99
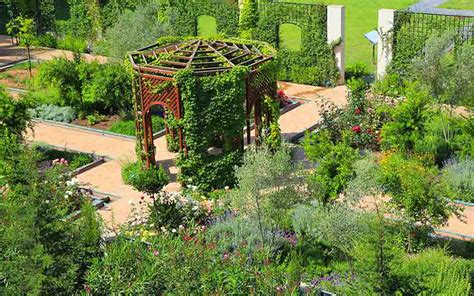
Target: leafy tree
269 187
127 33
23 29
334 165
14 115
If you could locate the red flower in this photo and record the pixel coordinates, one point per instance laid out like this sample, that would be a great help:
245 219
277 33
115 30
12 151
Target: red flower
356 128
357 111
369 131
187 238
281 93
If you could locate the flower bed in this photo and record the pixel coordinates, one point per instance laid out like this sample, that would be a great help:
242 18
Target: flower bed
78 162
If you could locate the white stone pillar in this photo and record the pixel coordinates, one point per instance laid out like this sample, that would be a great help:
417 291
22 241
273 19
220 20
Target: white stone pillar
336 31
384 45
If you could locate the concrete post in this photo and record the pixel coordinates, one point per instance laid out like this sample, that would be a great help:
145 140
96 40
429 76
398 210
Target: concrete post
384 45
336 31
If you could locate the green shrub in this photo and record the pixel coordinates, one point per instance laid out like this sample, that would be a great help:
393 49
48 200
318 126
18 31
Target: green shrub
127 126
14 115
72 43
127 33
54 113
357 71
108 90
188 264
432 272
148 180
87 87
416 189
408 123
459 175
42 252
45 40
93 119
334 165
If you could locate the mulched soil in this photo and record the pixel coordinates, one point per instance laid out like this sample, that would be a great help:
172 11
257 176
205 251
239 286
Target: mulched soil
103 125
16 78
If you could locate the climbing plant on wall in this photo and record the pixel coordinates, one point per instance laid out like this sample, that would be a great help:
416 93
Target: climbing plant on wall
315 62
214 116
183 14
412 30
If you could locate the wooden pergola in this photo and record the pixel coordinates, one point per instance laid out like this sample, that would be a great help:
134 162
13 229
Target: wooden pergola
156 66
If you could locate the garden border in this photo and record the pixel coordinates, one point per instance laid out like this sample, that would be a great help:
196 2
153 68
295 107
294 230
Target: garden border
96 130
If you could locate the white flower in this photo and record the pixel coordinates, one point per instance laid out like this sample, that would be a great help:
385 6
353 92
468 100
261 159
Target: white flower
181 226
226 188
173 231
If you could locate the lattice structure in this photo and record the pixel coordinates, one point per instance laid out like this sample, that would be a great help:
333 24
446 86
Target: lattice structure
156 66
413 29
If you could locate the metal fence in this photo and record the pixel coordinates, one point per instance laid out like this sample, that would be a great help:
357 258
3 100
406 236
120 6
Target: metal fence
413 28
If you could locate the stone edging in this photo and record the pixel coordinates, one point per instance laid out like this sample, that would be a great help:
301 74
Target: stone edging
95 130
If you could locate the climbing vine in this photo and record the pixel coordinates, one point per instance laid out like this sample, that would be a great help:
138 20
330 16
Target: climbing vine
315 62
412 30
182 15
214 118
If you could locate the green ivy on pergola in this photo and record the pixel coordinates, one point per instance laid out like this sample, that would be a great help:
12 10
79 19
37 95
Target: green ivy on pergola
209 90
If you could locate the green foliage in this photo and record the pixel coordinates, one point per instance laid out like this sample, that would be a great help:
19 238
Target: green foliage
357 71
127 33
268 187
190 265
408 123
127 126
459 175
214 117
169 212
432 272
74 159
87 87
42 252
14 115
248 18
148 180
182 16
446 74
334 165
314 63
416 189
54 113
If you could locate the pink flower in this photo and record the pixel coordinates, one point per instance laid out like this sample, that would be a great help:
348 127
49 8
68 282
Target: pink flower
357 111
156 253
356 129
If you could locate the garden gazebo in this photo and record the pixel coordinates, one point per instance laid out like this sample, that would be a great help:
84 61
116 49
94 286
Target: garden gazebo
155 83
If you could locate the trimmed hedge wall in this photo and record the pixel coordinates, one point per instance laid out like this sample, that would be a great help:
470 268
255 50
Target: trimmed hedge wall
183 15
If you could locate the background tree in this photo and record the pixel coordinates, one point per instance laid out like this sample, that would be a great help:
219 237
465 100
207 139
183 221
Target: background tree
23 29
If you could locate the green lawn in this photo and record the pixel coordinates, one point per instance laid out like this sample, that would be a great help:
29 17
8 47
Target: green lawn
458 4
207 26
290 36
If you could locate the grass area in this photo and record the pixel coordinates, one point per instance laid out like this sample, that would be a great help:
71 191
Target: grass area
458 4
127 126
207 26
361 17
290 37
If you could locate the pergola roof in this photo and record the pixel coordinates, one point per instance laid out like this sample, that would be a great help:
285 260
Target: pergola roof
201 56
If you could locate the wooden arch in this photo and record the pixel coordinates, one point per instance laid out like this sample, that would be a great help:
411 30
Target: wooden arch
155 66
